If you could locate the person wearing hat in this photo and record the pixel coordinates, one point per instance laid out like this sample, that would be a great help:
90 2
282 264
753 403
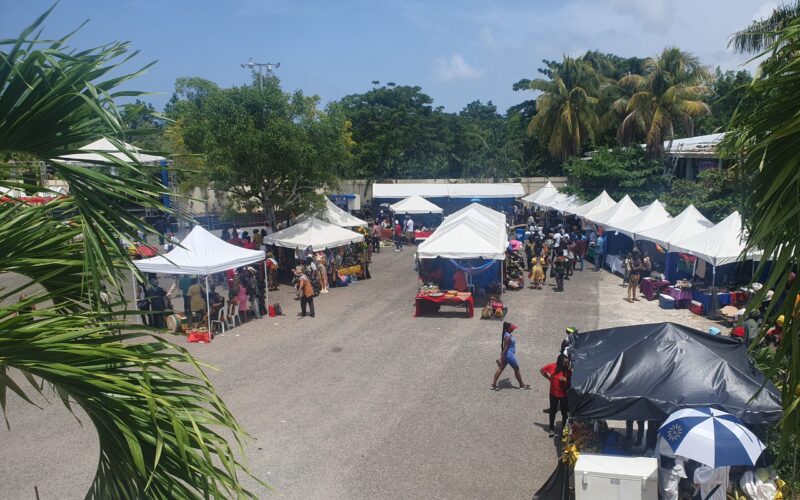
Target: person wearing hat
559 375
508 356
306 292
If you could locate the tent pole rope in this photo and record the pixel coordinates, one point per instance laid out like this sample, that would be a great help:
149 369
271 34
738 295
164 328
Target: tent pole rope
208 307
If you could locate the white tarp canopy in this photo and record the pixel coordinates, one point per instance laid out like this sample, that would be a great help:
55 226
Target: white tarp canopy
550 200
624 209
547 190
314 233
200 253
471 190
415 205
568 204
103 145
719 245
686 224
339 217
473 232
602 202
651 216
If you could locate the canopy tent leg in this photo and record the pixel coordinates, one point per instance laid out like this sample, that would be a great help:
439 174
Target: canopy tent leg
713 312
135 297
266 287
208 308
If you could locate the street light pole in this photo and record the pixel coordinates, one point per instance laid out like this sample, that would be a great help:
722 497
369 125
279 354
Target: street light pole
251 65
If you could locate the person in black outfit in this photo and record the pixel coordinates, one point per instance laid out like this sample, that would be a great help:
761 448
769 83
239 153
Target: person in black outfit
158 303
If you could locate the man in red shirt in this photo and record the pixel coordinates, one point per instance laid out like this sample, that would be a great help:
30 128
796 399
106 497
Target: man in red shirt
398 235
559 375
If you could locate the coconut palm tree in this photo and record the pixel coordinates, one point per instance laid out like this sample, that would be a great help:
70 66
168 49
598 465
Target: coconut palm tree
762 33
765 138
161 427
669 91
566 118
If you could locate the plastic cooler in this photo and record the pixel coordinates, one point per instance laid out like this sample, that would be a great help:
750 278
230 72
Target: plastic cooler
605 476
696 307
666 301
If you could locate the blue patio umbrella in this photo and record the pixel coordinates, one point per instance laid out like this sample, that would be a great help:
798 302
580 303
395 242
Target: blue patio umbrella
712 437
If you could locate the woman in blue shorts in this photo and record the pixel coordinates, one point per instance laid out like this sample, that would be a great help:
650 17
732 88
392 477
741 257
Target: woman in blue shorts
508 356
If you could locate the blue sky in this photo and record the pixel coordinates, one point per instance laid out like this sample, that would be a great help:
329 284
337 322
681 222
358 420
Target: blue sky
457 51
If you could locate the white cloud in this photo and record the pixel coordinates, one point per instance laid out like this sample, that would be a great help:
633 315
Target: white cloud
456 68
487 38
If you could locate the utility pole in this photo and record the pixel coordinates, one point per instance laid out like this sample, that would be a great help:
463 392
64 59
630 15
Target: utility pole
251 65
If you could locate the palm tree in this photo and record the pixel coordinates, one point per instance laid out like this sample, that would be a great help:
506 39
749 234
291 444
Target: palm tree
669 90
566 118
764 32
765 138
161 427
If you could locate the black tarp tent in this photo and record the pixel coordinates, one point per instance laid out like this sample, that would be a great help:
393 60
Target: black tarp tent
646 372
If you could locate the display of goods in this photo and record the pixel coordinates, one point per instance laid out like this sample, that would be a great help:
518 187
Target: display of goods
201 335
498 312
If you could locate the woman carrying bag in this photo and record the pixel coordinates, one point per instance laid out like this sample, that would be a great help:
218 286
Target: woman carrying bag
508 356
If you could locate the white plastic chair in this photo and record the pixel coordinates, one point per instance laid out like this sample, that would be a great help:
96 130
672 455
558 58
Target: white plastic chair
221 320
233 317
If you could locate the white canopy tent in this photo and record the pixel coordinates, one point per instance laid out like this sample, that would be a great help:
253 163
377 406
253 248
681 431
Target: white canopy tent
624 209
200 252
96 150
685 225
651 216
568 204
466 190
547 190
339 217
478 212
719 245
415 205
465 239
314 233
550 200
602 202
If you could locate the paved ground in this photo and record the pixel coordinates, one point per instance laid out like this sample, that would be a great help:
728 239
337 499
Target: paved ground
365 401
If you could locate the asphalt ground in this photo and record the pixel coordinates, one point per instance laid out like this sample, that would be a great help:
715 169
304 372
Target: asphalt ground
364 400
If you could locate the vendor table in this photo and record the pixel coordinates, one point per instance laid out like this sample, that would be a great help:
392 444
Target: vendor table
682 296
652 288
427 302
616 264
723 299
422 235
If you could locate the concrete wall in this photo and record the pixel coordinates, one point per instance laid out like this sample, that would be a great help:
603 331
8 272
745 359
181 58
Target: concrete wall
364 188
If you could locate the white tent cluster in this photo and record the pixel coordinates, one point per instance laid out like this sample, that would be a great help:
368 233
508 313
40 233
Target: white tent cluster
315 233
473 232
689 232
415 205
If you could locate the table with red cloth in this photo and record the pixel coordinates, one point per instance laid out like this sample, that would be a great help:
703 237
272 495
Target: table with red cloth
652 288
427 302
422 235
682 296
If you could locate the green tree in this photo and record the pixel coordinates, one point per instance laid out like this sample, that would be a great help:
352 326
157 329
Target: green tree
398 134
263 147
619 172
715 193
763 33
765 139
566 118
668 92
161 427
728 90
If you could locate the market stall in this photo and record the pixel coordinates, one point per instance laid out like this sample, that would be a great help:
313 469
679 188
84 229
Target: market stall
645 373
544 191
339 217
449 197
200 253
464 255
425 215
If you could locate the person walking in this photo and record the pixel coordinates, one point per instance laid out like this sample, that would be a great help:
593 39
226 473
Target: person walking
508 356
306 291
560 264
322 271
626 269
580 249
599 252
559 375
376 237
536 275
398 235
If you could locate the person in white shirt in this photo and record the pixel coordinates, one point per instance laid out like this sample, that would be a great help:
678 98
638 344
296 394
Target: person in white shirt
708 479
410 225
